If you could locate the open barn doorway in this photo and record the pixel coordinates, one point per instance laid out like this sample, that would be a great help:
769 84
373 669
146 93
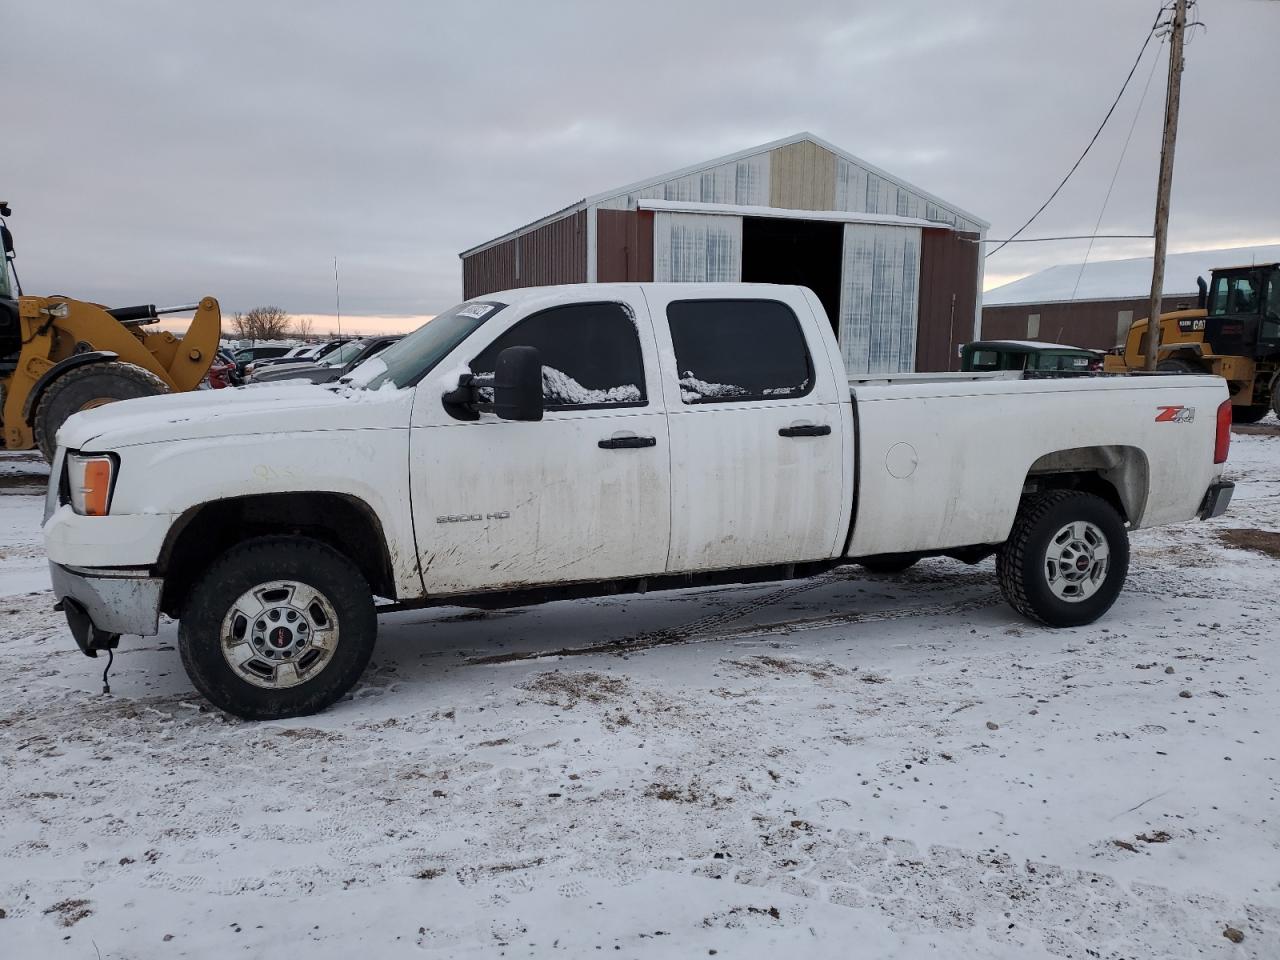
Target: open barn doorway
805 252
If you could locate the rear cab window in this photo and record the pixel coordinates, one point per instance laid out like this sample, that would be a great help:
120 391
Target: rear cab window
738 350
590 352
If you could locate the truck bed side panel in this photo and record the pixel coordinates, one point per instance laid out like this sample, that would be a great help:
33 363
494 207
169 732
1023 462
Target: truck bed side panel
944 464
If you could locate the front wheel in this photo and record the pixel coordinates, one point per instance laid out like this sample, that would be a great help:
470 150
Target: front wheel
277 627
1066 558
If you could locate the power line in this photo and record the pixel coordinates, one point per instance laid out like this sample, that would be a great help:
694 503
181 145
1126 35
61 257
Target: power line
1094 138
1081 236
1123 150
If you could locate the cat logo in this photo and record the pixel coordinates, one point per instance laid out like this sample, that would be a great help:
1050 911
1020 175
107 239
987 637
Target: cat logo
1191 326
1175 414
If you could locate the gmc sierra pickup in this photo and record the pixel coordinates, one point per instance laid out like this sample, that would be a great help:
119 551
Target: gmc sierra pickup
569 441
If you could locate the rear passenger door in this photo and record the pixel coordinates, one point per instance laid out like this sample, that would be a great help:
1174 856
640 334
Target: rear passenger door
754 418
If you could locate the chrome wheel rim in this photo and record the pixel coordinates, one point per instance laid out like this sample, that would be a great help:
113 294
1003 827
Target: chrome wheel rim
279 634
1076 561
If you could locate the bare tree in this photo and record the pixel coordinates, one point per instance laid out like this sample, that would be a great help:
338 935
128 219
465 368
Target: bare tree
261 323
302 328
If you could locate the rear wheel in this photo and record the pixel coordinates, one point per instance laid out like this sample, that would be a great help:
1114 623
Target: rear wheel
277 627
1066 558
1250 414
84 388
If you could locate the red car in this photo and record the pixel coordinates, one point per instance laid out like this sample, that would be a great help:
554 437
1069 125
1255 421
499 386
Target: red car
222 372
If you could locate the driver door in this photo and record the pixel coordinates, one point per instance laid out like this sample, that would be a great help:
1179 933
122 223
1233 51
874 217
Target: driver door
583 494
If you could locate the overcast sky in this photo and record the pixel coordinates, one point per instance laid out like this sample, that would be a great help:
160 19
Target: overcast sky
159 151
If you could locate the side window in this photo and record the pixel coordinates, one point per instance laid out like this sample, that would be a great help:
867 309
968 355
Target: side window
1124 320
738 350
590 355
1218 298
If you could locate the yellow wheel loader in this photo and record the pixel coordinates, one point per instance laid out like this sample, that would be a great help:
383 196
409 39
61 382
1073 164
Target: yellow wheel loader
59 356
1234 333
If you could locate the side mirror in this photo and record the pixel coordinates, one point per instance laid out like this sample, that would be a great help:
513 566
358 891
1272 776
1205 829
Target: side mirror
6 238
517 384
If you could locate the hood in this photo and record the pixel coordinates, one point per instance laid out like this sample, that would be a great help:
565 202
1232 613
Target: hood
237 411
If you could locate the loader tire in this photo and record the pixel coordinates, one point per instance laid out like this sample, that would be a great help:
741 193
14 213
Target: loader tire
1178 366
1066 558
84 388
276 627
1249 414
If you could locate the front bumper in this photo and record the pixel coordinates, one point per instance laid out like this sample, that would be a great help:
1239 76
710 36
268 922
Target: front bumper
102 604
1216 499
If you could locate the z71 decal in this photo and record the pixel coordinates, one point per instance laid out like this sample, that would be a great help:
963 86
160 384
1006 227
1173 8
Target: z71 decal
1175 414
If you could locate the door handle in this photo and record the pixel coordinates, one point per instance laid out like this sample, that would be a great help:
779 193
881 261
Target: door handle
806 430
627 443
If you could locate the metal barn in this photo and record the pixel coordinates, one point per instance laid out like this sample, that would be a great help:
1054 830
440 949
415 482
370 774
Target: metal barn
898 269
1093 305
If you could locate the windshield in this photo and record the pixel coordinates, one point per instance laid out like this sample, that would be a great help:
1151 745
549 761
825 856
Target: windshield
405 363
343 355
5 290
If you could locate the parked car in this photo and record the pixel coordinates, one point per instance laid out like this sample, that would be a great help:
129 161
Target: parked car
248 355
222 372
302 357
596 439
1045 359
334 366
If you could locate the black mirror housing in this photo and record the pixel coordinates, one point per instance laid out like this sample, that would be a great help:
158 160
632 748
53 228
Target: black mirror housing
517 384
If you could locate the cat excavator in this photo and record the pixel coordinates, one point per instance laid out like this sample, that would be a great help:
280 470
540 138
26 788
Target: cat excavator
1234 332
59 356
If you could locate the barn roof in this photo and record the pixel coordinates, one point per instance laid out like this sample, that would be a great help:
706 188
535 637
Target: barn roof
641 185
1123 279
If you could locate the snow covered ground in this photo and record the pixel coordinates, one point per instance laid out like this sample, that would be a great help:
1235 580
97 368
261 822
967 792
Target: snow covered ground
852 766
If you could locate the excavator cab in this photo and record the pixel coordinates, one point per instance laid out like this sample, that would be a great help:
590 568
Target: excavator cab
1242 316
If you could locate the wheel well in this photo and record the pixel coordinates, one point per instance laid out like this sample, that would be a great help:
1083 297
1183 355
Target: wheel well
1117 474
201 534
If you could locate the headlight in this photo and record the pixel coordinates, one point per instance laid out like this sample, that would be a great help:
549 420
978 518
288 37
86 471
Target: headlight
89 481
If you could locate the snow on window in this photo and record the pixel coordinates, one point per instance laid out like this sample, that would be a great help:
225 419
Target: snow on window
560 389
787 391
692 389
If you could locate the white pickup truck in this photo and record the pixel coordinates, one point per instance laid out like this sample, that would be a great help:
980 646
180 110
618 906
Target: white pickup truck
568 441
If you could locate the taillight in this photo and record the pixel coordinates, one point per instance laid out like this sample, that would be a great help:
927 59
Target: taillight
1222 442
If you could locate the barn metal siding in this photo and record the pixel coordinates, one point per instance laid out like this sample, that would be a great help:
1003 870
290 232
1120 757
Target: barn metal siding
1094 324
743 182
879 292
694 248
624 246
555 252
948 265
802 176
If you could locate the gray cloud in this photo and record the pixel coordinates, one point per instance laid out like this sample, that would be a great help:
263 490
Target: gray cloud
160 151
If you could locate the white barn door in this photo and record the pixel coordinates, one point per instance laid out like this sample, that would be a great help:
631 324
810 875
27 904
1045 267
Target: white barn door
697 248
879 298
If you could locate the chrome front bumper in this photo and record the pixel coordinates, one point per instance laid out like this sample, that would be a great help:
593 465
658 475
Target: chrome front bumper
102 604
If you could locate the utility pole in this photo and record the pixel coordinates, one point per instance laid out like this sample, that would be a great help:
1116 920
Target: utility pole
337 296
1172 97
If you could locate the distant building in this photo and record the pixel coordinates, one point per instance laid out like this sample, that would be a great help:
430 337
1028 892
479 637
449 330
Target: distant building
1096 312
897 269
